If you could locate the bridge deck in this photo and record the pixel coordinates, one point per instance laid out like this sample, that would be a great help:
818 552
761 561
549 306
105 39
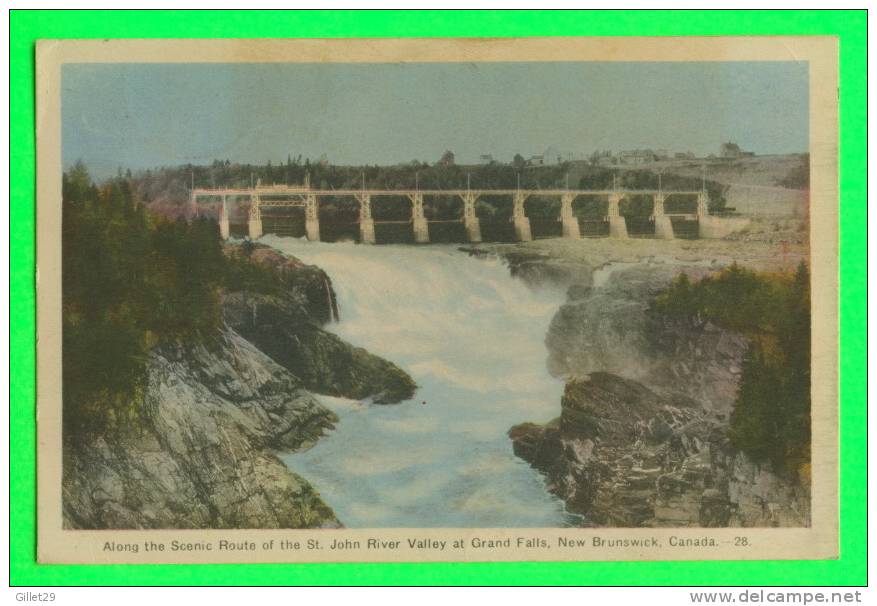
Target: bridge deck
276 191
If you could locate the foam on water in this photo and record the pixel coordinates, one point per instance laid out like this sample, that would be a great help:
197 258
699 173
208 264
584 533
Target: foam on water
472 337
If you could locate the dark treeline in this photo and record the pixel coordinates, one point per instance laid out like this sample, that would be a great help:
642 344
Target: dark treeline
131 280
168 186
771 416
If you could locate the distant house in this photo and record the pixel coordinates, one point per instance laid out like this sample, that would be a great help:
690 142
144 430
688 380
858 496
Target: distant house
684 155
636 156
485 159
536 161
731 150
552 155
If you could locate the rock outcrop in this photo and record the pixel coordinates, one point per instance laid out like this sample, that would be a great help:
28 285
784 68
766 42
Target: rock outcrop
212 415
642 435
288 327
623 455
610 329
537 268
307 288
324 362
202 453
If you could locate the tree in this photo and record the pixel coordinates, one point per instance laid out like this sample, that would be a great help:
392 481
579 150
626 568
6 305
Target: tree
757 417
770 420
104 242
518 161
447 159
129 282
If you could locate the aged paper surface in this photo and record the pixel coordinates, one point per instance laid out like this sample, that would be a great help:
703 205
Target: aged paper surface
246 434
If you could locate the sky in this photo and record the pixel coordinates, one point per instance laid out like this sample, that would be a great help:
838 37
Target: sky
139 116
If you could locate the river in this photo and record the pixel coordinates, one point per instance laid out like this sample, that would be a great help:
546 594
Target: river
472 337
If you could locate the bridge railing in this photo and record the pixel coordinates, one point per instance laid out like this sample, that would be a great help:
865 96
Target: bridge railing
266 196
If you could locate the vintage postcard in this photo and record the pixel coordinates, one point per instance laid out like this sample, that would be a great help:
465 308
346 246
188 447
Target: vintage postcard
437 300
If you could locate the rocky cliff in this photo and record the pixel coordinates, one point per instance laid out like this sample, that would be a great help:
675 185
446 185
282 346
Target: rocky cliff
642 435
202 456
623 455
288 327
611 329
212 415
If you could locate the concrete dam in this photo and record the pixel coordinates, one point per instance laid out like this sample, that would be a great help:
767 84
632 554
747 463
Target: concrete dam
259 201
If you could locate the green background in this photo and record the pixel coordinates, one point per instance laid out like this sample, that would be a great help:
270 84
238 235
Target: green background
850 26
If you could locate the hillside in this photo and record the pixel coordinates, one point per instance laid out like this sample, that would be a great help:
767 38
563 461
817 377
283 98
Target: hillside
754 185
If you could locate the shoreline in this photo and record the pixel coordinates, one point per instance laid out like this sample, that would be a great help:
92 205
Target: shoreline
548 263
576 450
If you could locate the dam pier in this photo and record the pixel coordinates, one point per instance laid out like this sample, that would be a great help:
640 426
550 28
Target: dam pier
260 197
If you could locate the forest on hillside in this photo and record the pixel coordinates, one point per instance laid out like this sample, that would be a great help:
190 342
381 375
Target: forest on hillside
771 416
166 189
132 280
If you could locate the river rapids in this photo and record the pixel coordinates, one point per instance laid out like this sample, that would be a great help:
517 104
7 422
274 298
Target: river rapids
472 337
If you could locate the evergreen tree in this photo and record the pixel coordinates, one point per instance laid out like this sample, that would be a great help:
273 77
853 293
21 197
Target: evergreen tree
771 416
129 282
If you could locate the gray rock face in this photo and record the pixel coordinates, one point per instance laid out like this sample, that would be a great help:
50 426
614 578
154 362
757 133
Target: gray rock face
288 327
543 270
538 268
625 456
610 329
321 360
213 415
641 439
307 288
202 456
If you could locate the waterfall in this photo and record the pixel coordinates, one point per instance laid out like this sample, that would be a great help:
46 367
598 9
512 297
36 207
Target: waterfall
330 302
473 338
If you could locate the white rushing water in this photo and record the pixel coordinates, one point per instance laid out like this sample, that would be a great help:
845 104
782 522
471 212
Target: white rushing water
472 337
